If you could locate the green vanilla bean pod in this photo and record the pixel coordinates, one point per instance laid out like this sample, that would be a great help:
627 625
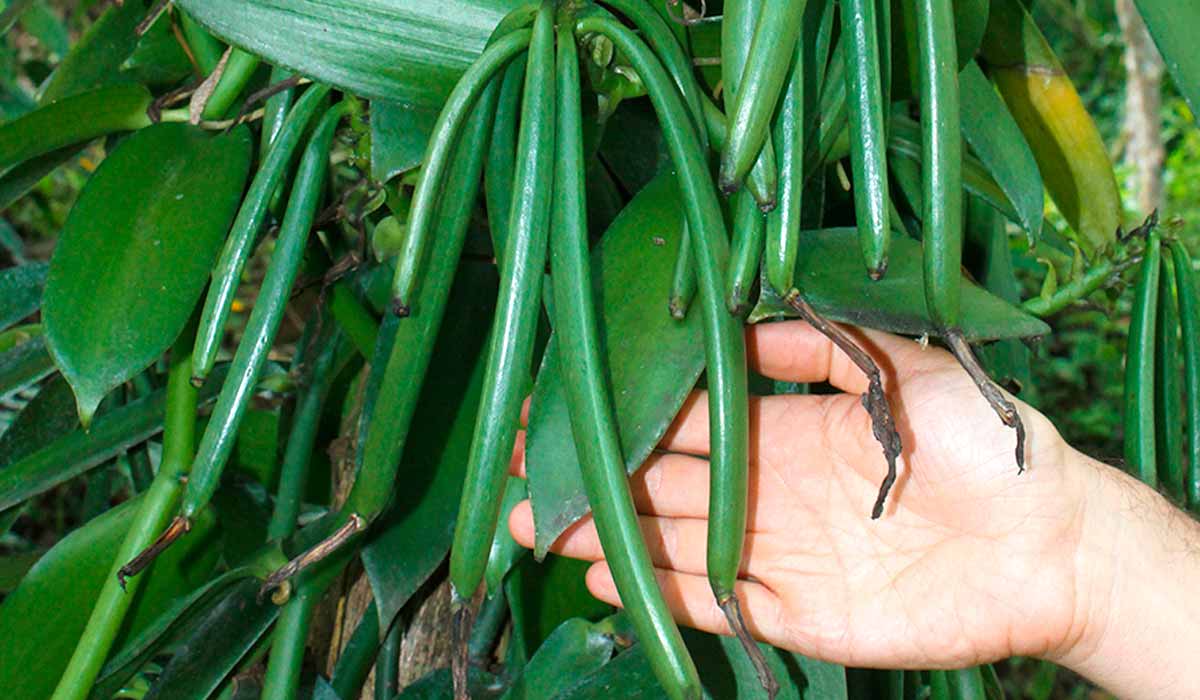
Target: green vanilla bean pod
674 58
683 279
217 443
1189 322
275 111
868 138
942 214
240 243
665 44
737 33
502 155
761 184
749 227
592 418
1168 399
155 509
942 195
776 34
314 387
1141 454
409 346
511 350
783 224
506 42
239 69
724 343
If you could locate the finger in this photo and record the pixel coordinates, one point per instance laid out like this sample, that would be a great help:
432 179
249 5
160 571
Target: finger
520 524
692 604
525 411
794 351
675 544
672 485
774 422
516 463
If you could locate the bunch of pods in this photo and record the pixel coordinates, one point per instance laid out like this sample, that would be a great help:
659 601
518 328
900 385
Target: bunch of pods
799 89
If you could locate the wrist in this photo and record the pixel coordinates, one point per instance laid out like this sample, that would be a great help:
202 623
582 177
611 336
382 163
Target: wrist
1137 569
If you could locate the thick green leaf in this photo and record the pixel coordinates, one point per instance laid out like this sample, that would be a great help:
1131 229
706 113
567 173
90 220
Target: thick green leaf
42 620
159 58
20 292
217 644
829 274
50 415
95 59
724 670
42 23
411 51
410 541
73 120
904 147
547 593
17 182
23 364
1173 24
14 567
654 359
994 136
439 685
77 451
136 252
399 135
575 650
174 622
989 259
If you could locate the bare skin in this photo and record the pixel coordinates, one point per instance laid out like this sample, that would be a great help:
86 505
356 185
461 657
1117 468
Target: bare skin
971 562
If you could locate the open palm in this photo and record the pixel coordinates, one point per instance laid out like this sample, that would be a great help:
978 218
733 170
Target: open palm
970 562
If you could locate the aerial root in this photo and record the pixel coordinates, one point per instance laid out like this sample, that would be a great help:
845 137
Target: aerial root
995 397
883 424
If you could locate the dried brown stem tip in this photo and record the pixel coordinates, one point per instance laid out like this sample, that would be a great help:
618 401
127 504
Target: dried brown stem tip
461 637
314 554
995 397
178 527
883 425
737 623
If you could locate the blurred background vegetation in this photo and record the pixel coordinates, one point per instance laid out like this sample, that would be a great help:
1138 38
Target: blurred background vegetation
1077 373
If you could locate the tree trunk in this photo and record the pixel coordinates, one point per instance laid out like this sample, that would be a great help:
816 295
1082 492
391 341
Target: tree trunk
1143 99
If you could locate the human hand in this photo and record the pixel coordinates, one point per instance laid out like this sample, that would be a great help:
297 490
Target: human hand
971 562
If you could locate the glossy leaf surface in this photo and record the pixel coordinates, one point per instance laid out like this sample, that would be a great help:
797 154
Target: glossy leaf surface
399 137
996 139
42 620
654 359
573 651
136 252
218 643
77 451
411 539
73 120
828 274
410 51
1173 24
20 292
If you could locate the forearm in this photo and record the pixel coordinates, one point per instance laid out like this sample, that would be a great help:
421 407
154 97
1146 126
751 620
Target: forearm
1137 590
